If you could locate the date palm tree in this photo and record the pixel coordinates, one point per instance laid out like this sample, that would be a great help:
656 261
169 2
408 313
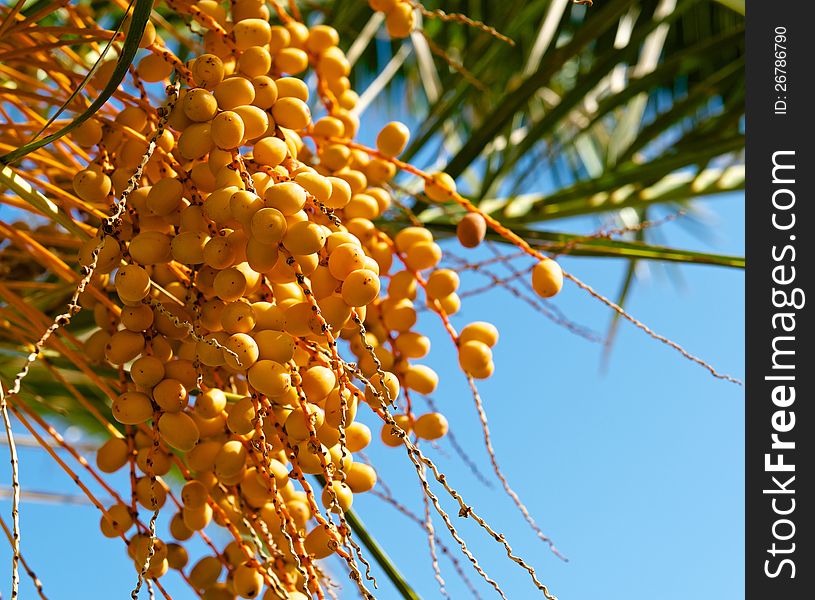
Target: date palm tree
623 112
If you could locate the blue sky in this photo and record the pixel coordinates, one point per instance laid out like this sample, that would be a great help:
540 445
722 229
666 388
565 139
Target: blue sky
636 472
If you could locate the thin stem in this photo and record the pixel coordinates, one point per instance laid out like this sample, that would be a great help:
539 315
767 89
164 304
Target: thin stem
15 499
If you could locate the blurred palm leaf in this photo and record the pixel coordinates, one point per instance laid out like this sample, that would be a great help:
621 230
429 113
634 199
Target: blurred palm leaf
625 104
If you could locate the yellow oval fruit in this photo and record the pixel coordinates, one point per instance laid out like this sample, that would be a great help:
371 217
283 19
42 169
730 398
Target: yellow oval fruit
379 171
95 346
299 424
234 92
171 395
165 196
243 204
412 345
245 351
361 478
88 134
334 156
230 284
291 61
399 20
268 226
360 287
255 61
178 430
333 66
304 237
399 316
219 253
238 317
322 37
199 105
321 542
409 236
228 130
251 32
230 459
450 304
265 91
177 556
287 197
547 278
329 127
188 247
291 113
442 282
153 68
147 371
116 521
298 32
194 494
317 382
202 457
112 455
208 71
475 358
339 493
205 572
315 184
431 426
423 255
255 121
270 151
362 206
132 408
249 9
280 38
292 87
242 416
203 177
479 331
387 393
92 185
440 188
269 378
421 379
392 139
336 403
109 256
357 437
261 257
159 461
340 193
390 435
195 141
211 403
150 493
150 248
403 285
246 580
273 345
132 283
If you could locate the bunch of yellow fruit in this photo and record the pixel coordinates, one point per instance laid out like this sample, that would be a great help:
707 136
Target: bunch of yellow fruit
258 306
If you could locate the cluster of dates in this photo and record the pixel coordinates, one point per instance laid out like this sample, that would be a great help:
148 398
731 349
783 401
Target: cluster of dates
248 262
